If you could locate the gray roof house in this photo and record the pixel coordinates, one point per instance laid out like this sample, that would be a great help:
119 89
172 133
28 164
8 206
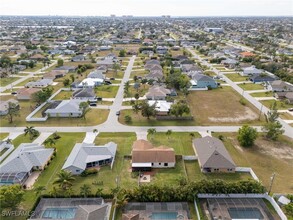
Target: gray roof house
201 81
96 75
78 58
64 109
4 106
213 156
39 83
84 94
85 155
280 86
23 161
249 71
157 93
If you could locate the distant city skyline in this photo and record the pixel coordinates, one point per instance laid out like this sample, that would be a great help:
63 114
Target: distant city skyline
148 7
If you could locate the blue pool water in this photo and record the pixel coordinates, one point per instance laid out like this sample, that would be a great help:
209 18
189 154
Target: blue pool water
59 213
245 213
164 215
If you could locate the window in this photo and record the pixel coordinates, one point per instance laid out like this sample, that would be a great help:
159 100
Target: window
77 171
165 164
159 163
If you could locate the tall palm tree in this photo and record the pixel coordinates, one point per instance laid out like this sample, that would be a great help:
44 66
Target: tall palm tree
85 190
29 130
39 190
64 179
151 132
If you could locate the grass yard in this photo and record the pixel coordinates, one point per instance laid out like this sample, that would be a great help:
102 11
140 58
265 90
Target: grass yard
106 91
94 117
139 120
194 174
63 95
265 158
235 77
251 86
281 105
142 90
38 66
6 97
222 107
7 81
111 73
262 94
286 116
140 73
181 142
3 136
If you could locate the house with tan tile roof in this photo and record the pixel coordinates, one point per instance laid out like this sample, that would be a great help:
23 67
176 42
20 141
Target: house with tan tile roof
145 156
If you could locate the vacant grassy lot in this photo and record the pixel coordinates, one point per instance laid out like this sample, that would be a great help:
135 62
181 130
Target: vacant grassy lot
140 73
3 136
6 81
251 86
262 94
142 90
281 105
94 117
221 106
105 91
139 120
194 173
112 73
265 158
63 95
181 142
235 77
286 116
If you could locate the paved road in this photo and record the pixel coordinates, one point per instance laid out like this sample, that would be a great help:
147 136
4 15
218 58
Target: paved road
288 129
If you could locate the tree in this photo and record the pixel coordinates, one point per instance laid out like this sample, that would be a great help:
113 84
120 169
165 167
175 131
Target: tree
122 53
136 86
116 67
60 62
43 95
50 142
11 196
29 130
64 179
136 108
168 133
179 109
152 132
148 110
12 111
135 78
99 192
39 190
126 88
136 96
273 127
66 82
127 119
143 82
246 136
84 108
85 190
72 78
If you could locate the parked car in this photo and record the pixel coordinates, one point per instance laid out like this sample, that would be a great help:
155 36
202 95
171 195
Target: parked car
290 109
118 113
13 93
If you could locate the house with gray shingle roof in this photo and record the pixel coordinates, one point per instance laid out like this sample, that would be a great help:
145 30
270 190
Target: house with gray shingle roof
64 109
200 81
213 156
85 156
84 94
23 161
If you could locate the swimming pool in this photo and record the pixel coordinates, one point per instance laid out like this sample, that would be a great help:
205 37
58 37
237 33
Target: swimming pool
245 213
59 213
164 215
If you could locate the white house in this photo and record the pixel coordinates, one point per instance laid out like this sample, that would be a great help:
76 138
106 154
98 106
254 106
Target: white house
65 108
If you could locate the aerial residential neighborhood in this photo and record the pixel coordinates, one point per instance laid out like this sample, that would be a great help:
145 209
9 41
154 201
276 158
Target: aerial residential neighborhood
128 116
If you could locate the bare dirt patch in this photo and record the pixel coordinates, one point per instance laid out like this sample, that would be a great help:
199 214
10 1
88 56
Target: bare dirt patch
247 115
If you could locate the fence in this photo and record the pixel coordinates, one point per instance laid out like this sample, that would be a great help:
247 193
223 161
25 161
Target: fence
247 170
247 196
192 157
11 148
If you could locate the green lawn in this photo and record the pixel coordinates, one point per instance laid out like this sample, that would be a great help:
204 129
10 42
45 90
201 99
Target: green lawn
235 77
286 116
7 81
281 105
138 73
105 91
251 86
22 139
194 173
142 90
179 141
139 120
111 73
262 94
63 95
265 158
3 136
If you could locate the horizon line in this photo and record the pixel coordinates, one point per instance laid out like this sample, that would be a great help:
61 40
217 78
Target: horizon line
129 15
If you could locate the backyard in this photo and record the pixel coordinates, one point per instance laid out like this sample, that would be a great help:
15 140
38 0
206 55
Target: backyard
221 106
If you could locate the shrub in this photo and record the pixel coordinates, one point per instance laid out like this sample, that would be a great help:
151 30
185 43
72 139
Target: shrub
88 172
127 119
242 101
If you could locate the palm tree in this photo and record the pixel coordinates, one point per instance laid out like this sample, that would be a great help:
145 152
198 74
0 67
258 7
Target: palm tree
135 108
191 135
95 130
31 132
85 190
121 201
168 133
64 179
39 190
151 132
99 192
50 141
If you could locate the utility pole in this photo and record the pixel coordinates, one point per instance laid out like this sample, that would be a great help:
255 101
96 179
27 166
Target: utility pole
271 183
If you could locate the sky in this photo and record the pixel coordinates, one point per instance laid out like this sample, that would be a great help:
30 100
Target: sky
148 7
